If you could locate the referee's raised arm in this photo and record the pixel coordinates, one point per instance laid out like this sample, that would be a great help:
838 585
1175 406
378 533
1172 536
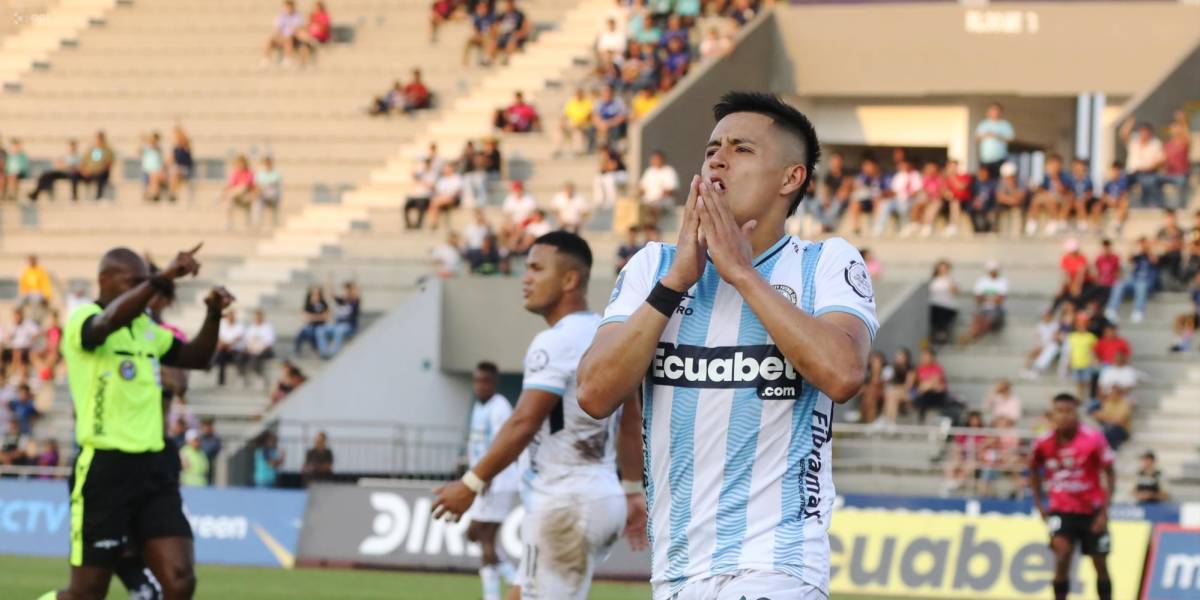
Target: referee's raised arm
121 268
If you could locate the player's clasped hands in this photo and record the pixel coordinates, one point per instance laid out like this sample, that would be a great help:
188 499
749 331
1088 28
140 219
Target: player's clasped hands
691 252
728 243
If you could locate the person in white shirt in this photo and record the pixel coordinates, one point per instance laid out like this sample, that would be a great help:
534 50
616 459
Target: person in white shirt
1118 378
658 185
1002 403
1045 350
574 503
612 39
906 185
489 413
571 209
1144 157
714 45
475 233
447 192
424 177
258 347
20 339
447 256
230 344
518 209
743 344
991 290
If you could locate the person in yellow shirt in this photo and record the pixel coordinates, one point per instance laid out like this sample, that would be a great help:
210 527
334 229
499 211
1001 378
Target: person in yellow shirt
1081 352
34 284
646 99
576 124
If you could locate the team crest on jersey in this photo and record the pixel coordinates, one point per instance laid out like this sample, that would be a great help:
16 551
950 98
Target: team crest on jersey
128 370
617 287
786 291
538 361
859 280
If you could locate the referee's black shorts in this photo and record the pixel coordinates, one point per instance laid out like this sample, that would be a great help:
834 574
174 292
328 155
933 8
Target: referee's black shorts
120 499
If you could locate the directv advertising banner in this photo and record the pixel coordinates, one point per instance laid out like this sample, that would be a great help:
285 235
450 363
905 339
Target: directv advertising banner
1173 568
231 526
1164 512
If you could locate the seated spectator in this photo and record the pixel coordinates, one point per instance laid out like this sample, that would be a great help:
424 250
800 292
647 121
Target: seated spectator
269 185
49 458
870 397
258 348
1118 379
34 286
640 24
483 35
1010 199
535 228
319 29
571 209
16 168
868 193
575 127
1045 350
287 37
678 59
1108 347
1001 403
195 468
982 206
447 256
900 388
518 210
512 29
628 248
1114 197
64 167
268 460
1144 157
612 39
390 101
419 197
611 177
1081 347
447 194
230 344
316 315
210 444
474 234
1081 200
943 304
1149 488
518 117
931 386
96 166
991 291
714 44
1140 281
1176 164
440 12
1114 416
239 192
488 163
486 259
610 118
1107 270
19 343
345 318
416 95
318 461
644 101
958 186
833 194
658 186
965 455
182 166
1169 238
905 185
22 409
154 167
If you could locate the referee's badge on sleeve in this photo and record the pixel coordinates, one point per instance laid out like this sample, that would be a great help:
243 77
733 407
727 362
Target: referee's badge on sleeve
859 280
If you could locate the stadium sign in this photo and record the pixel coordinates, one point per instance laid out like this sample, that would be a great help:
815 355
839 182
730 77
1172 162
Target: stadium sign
231 526
1163 512
1173 567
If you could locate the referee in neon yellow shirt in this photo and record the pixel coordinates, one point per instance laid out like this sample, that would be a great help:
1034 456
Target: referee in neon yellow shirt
124 490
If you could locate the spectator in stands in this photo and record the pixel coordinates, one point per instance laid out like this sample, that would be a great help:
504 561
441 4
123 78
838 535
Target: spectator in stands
390 100
19 344
1081 347
575 127
292 377
488 163
182 166
1115 198
46 360
611 40
404 98
345 318
239 192
49 456
16 168
486 259
97 163
315 315
1119 378
628 248
287 37
535 228
868 193
644 101
22 409
1140 281
477 231
195 468
1149 487
1170 252
319 29
210 444
447 256
447 194
258 347
1081 200
991 291
1048 334
268 183
900 388
611 177
610 118
35 285
518 210
959 192
440 12
1114 415
678 58
571 209
870 397
1109 346
318 461
640 24
964 460
993 134
1049 196
1107 270
1010 199
1075 273
231 340
905 185
833 194
714 44
1001 403
932 389
943 303
268 459
64 167
658 185
1143 159
424 178
154 167
982 206
518 117
483 35
512 30
1176 168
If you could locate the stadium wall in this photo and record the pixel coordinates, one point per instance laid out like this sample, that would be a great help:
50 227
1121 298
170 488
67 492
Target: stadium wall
1158 103
903 320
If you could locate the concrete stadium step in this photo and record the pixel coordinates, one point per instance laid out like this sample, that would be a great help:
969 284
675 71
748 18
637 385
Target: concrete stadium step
42 36
979 364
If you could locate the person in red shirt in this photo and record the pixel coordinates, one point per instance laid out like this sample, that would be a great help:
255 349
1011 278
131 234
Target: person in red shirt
958 185
518 117
1072 457
1108 271
416 95
1110 345
931 384
239 190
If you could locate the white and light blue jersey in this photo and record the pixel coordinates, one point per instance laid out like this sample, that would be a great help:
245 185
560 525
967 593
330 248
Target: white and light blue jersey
738 444
572 455
486 420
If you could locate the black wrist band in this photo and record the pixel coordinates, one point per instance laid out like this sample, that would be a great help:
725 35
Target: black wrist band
664 299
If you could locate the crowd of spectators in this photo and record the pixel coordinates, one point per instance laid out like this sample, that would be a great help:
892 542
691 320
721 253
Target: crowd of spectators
294 39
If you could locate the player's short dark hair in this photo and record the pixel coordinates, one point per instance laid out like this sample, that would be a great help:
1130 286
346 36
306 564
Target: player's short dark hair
784 115
1065 397
568 243
489 367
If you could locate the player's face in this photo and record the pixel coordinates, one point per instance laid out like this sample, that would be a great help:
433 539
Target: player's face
542 281
1065 415
483 385
749 156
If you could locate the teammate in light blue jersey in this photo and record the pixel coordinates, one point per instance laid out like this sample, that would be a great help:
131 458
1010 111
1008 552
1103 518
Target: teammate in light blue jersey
744 338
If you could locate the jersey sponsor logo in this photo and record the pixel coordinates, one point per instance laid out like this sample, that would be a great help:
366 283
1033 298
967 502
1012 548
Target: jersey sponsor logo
859 280
538 361
760 367
787 292
128 370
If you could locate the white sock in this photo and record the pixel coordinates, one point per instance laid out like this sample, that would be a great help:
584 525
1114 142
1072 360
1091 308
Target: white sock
491 582
507 571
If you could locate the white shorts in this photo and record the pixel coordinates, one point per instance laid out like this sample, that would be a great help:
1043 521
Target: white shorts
493 506
743 584
562 547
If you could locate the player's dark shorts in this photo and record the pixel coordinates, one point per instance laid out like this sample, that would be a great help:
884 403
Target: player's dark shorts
118 497
1077 527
